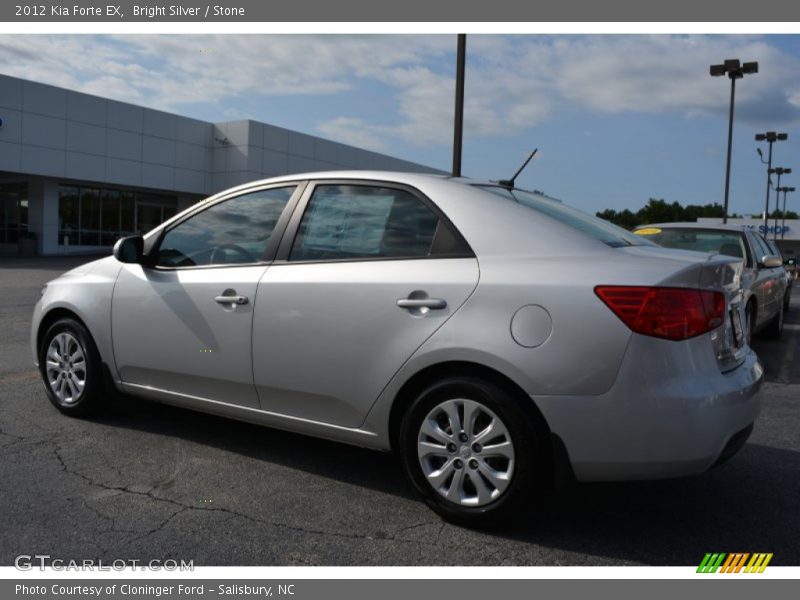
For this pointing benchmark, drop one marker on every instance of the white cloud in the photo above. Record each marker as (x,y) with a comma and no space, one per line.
(357,132)
(513,82)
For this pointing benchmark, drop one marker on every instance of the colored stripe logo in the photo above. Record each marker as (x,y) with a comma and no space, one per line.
(736,562)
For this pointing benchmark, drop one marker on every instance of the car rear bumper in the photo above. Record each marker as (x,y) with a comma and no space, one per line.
(670,413)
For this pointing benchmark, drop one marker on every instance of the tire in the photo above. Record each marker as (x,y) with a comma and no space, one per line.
(774,330)
(455,475)
(787,299)
(71,369)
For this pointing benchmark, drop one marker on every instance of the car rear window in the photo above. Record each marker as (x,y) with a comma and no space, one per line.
(711,241)
(601,230)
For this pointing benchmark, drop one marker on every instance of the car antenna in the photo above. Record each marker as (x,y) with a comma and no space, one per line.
(509,183)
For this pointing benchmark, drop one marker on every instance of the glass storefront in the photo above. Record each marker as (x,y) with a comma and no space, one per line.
(13,212)
(92,216)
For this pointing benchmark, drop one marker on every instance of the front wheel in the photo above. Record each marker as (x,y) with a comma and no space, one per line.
(70,367)
(471,451)
(750,322)
(774,330)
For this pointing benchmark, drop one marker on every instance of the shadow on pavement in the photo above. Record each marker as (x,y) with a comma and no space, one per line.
(749,504)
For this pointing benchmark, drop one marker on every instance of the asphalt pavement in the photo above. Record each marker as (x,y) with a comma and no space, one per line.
(147,481)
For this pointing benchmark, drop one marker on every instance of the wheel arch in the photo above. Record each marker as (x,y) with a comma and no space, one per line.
(436,372)
(53,315)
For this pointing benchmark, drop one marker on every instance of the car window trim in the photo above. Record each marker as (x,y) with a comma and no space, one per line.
(275,238)
(292,229)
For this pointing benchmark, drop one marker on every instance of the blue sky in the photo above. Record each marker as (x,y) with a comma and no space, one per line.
(617,118)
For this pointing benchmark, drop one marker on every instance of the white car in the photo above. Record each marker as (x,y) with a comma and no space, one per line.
(490,336)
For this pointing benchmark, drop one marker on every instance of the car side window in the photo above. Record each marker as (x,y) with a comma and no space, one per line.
(364,222)
(762,249)
(235,231)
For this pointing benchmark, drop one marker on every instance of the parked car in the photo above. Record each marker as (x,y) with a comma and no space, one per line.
(763,279)
(788,272)
(491,337)
(791,266)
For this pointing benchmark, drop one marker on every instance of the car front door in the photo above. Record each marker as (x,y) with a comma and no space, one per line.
(181,326)
(766,286)
(372,271)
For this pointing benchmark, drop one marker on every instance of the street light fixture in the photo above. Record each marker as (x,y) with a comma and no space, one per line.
(770,137)
(778,171)
(785,190)
(734,69)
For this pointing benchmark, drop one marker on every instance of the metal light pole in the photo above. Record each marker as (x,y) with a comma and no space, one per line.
(786,190)
(458,125)
(778,171)
(735,70)
(770,137)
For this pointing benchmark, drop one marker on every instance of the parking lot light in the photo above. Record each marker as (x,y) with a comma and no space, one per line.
(786,190)
(735,70)
(778,171)
(770,137)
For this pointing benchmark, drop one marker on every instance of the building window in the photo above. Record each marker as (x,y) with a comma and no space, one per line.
(109,213)
(127,214)
(13,212)
(90,216)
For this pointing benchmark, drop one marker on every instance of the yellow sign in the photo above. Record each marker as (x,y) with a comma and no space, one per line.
(647,231)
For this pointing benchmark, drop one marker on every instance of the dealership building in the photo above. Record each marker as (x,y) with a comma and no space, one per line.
(79,171)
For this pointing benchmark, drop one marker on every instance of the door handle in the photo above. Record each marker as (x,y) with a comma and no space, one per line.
(431,303)
(231,300)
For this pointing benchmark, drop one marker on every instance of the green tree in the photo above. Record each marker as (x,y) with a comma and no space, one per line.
(778,214)
(658,210)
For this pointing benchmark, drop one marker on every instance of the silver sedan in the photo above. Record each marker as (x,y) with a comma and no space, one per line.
(493,338)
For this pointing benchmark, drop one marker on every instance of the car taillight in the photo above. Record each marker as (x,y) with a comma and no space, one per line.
(665,312)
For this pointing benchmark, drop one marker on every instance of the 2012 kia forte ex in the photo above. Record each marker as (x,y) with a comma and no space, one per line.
(493,338)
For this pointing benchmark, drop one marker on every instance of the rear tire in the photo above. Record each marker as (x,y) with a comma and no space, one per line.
(70,366)
(472,452)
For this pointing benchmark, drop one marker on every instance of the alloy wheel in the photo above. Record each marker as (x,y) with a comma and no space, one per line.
(66,368)
(465,452)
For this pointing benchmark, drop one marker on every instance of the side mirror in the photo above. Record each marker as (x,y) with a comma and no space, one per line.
(770,262)
(130,249)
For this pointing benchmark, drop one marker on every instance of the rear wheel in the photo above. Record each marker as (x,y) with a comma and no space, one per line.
(70,367)
(471,451)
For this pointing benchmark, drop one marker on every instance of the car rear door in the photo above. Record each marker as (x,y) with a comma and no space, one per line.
(767,286)
(182,325)
(367,271)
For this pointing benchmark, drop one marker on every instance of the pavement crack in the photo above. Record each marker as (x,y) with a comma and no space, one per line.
(162,524)
(183,507)
(11,435)
(415,526)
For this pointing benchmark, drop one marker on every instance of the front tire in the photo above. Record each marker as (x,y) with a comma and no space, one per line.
(750,321)
(471,451)
(70,367)
(774,330)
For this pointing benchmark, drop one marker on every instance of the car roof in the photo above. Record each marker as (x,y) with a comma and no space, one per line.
(694,225)
(467,207)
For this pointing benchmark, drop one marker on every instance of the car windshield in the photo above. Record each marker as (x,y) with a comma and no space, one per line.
(711,241)
(601,230)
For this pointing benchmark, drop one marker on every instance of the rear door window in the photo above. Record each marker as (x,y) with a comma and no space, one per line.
(355,222)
